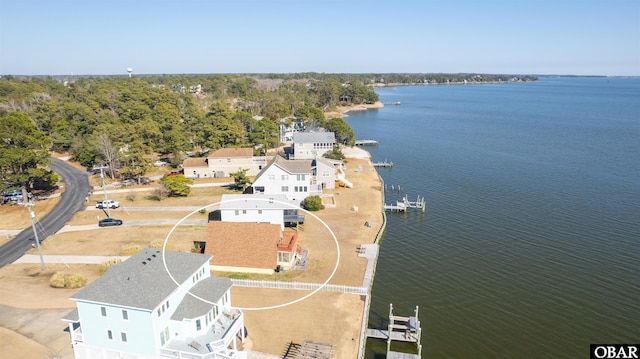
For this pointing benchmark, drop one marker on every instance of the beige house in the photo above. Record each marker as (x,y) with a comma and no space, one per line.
(223,162)
(195,168)
(253,247)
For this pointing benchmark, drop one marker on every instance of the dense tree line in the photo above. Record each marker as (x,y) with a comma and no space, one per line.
(125,122)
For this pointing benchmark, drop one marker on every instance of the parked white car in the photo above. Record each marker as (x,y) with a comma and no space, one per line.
(108,204)
(160,163)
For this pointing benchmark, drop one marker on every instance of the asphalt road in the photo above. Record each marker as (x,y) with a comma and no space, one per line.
(76,185)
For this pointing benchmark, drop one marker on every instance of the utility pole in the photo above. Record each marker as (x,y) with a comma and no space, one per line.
(102,167)
(35,233)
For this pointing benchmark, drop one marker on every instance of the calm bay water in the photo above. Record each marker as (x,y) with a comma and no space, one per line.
(530,244)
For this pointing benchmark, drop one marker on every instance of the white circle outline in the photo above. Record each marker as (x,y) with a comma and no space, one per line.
(335,268)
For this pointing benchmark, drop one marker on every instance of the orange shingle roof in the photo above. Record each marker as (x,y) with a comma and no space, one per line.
(240,244)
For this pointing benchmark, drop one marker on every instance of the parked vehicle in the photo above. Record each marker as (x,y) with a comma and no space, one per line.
(109,222)
(108,204)
(161,163)
(15,196)
(173,173)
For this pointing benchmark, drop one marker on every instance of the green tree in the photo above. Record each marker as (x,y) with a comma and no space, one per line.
(178,185)
(23,153)
(276,110)
(334,154)
(313,203)
(240,179)
(344,133)
(311,115)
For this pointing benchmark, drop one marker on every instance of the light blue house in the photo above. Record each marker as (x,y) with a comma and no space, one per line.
(136,310)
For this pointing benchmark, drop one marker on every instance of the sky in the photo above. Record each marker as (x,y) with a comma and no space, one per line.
(105,37)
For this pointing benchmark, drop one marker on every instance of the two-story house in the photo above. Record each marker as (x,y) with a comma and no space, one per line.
(223,162)
(309,145)
(292,178)
(156,304)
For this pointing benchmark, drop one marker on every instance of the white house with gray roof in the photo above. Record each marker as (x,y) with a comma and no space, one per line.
(258,208)
(309,145)
(291,178)
(156,305)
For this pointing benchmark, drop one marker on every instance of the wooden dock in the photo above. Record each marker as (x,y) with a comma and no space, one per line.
(366,143)
(402,206)
(383,164)
(404,329)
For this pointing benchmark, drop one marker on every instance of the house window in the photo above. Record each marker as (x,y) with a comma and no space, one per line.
(259,211)
(284,177)
(228,160)
(109,334)
(244,211)
(123,337)
(284,189)
(159,313)
(283,257)
(304,189)
(167,304)
(300,177)
(125,315)
(198,325)
(162,340)
(271,177)
(103,311)
(237,212)
(325,173)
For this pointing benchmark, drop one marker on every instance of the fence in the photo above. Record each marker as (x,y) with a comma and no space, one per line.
(299,286)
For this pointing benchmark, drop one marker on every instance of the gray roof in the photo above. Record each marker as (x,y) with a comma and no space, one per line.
(256,201)
(72,316)
(294,166)
(291,166)
(326,161)
(307,137)
(142,281)
(210,289)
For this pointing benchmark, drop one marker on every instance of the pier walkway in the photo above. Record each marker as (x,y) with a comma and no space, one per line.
(366,143)
(403,329)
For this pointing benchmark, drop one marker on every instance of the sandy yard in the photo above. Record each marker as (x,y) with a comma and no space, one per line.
(329,317)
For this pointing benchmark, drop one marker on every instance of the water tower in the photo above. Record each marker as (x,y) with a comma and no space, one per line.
(129,70)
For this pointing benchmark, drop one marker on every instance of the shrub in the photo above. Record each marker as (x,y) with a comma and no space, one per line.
(74,281)
(106,265)
(313,203)
(158,243)
(131,196)
(57,280)
(129,250)
(159,193)
(62,280)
